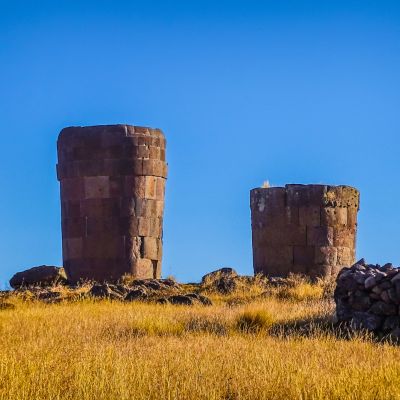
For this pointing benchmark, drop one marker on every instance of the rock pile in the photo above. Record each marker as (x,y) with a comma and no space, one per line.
(368,297)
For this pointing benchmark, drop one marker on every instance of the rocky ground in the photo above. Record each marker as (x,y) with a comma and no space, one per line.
(49,284)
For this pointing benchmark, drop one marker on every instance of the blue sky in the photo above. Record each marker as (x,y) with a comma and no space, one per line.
(245,91)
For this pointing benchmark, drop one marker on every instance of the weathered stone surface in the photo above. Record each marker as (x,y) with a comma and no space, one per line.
(306,229)
(43,275)
(104,291)
(112,180)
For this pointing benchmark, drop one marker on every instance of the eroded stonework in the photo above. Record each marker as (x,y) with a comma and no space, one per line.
(112,180)
(306,229)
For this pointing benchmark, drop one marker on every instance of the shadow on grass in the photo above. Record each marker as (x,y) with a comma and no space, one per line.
(317,328)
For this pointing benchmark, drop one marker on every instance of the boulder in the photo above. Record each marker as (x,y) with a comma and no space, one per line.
(103,291)
(136,294)
(219,273)
(44,275)
(202,299)
(225,285)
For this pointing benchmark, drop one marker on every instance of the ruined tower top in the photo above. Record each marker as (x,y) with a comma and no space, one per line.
(307,229)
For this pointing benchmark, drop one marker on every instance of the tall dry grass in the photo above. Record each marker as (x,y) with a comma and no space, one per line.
(106,350)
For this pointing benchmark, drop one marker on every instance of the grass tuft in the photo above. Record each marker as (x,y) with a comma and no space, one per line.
(254,321)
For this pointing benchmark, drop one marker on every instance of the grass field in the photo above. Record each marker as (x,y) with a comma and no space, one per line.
(278,346)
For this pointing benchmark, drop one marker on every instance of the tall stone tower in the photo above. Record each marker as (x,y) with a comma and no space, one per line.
(305,229)
(112,180)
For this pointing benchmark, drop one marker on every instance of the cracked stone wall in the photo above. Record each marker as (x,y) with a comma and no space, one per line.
(306,229)
(112,181)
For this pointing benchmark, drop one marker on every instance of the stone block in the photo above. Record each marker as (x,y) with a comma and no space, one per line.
(73,248)
(132,224)
(319,271)
(150,248)
(320,236)
(90,168)
(155,152)
(115,151)
(96,187)
(150,187)
(160,189)
(100,226)
(344,237)
(144,226)
(101,207)
(333,196)
(138,189)
(292,215)
(67,169)
(303,255)
(350,197)
(278,255)
(162,154)
(143,151)
(344,256)
(71,209)
(100,247)
(143,269)
(157,265)
(309,215)
(155,227)
(336,269)
(73,227)
(164,170)
(325,255)
(111,167)
(341,216)
(352,216)
(129,166)
(159,209)
(286,235)
(117,186)
(328,216)
(305,195)
(72,189)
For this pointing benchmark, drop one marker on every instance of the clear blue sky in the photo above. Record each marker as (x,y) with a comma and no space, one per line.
(245,91)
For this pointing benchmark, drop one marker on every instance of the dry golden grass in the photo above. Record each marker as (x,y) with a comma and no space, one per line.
(102,350)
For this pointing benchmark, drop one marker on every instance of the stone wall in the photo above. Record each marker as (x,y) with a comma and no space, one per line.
(306,229)
(112,182)
(368,297)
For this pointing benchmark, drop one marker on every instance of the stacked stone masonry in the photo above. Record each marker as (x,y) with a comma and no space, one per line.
(368,298)
(304,229)
(112,180)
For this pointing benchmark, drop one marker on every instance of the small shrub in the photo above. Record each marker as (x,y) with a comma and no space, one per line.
(254,321)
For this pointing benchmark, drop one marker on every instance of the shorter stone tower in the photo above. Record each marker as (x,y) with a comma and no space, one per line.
(305,229)
(112,180)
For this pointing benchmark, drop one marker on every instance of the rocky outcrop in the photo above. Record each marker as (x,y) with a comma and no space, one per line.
(44,275)
(162,291)
(368,298)
(219,273)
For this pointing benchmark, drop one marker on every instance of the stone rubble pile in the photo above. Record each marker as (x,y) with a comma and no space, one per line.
(368,298)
